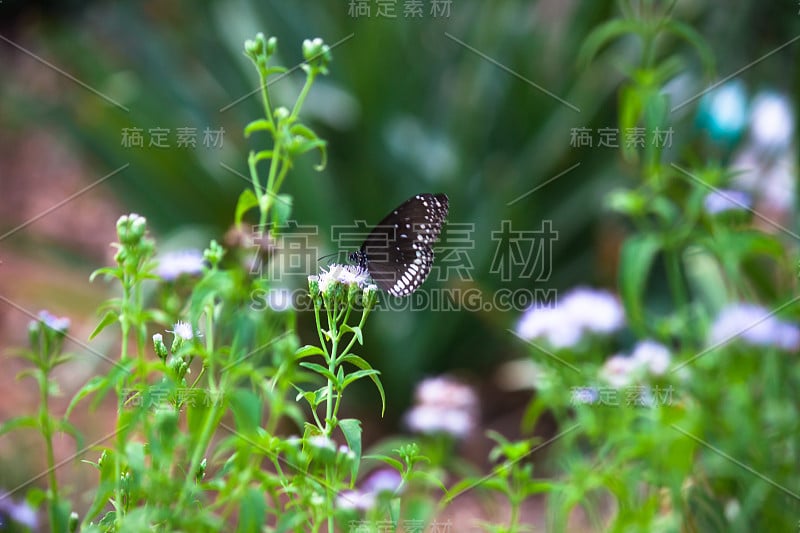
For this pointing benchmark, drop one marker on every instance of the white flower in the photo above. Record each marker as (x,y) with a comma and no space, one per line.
(322,442)
(722,200)
(580,311)
(619,370)
(172,265)
(754,325)
(183,330)
(648,358)
(444,405)
(594,310)
(772,121)
(444,390)
(652,356)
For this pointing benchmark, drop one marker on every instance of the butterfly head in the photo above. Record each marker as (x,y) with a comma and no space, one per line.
(359,258)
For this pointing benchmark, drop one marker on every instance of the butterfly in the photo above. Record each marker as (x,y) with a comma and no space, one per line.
(397,253)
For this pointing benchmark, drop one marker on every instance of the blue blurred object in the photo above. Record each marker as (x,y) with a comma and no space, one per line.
(723,112)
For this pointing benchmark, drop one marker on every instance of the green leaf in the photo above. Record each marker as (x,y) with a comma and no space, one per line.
(636,261)
(282,208)
(109,318)
(691,36)
(107,272)
(246,407)
(319,369)
(355,376)
(602,35)
(391,461)
(247,201)
(313,142)
(307,351)
(93,385)
(261,124)
(351,428)
(363,365)
(291,520)
(253,511)
(355,330)
(66,427)
(18,423)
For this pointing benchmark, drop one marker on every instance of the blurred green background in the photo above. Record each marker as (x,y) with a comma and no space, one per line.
(454,102)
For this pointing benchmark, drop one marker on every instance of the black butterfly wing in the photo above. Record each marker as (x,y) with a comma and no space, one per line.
(398,251)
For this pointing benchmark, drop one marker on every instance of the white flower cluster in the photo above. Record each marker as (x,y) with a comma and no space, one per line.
(443,405)
(648,358)
(582,310)
(345,274)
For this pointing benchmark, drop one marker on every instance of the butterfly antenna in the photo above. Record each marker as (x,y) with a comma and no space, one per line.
(327,256)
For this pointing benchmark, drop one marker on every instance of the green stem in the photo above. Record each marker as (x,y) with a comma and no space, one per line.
(209,424)
(674,277)
(270,191)
(302,96)
(127,284)
(47,433)
(252,164)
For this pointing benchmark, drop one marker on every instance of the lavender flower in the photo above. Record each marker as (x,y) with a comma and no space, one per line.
(13,513)
(754,325)
(723,200)
(582,310)
(172,265)
(364,498)
(59,324)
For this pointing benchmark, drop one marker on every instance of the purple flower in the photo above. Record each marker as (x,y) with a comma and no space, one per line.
(582,310)
(364,498)
(60,324)
(722,200)
(20,514)
(754,325)
(172,265)
(383,480)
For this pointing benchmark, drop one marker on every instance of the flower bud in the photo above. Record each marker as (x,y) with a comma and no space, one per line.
(159,346)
